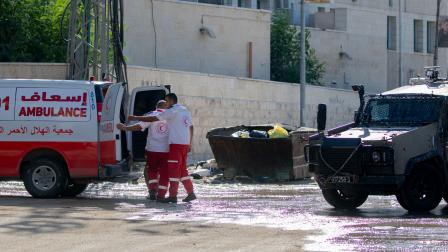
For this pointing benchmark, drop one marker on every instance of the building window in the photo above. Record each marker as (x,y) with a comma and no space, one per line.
(418,35)
(391,33)
(278,4)
(243,4)
(431,36)
(218,2)
(391,3)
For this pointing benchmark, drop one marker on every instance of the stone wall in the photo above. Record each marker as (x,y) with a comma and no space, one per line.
(217,101)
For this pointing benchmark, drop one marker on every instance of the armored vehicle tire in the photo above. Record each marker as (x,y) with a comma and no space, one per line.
(445,197)
(44,178)
(401,201)
(73,189)
(422,190)
(344,200)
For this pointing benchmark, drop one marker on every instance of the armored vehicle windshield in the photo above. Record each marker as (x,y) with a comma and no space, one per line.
(387,111)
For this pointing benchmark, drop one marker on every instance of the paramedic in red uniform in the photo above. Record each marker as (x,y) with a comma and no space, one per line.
(180,138)
(156,173)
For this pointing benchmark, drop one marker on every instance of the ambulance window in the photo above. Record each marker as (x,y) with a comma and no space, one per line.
(99,93)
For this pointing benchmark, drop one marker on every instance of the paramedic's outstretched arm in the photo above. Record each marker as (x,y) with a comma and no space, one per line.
(143,118)
(135,127)
(191,137)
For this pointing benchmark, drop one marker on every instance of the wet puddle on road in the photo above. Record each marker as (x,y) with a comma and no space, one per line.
(380,224)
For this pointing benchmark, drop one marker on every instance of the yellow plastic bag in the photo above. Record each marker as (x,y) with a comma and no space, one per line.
(278,132)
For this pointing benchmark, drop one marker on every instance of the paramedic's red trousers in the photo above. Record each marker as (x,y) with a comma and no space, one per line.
(156,170)
(177,168)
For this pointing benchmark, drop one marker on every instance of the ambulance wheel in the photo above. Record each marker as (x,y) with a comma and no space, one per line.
(344,200)
(73,189)
(45,178)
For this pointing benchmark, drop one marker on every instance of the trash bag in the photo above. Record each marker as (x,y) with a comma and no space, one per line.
(258,134)
(278,132)
(241,134)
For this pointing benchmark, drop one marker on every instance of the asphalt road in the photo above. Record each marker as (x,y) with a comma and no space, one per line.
(227,217)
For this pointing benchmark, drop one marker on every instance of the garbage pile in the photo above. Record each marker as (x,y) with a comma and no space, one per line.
(205,169)
(277,132)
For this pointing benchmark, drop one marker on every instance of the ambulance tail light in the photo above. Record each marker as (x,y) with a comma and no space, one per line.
(99,106)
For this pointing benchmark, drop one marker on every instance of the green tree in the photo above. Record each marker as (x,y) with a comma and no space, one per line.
(285,53)
(30,31)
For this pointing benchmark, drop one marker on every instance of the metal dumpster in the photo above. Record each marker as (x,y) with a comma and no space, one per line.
(253,157)
(299,139)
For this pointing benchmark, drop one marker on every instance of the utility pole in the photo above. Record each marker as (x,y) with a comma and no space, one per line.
(436,47)
(100,22)
(302,63)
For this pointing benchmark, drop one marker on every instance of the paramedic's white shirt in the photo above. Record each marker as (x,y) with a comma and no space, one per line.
(157,134)
(179,121)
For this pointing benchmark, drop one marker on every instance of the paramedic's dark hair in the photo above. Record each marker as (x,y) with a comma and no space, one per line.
(160,103)
(172,96)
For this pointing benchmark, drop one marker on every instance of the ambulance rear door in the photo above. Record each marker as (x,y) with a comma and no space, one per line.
(142,101)
(110,149)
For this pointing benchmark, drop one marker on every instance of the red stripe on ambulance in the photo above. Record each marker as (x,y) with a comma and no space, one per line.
(81,157)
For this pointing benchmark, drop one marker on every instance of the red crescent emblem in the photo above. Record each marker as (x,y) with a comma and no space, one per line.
(162,128)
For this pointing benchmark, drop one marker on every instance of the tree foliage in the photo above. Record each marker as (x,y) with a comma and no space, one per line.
(30,31)
(285,53)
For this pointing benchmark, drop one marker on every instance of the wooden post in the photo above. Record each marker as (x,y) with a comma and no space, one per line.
(249,62)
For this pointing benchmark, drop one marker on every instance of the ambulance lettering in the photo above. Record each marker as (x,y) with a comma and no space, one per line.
(50,112)
(52,105)
(4,102)
(22,131)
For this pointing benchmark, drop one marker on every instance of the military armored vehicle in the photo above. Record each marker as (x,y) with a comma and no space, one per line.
(397,145)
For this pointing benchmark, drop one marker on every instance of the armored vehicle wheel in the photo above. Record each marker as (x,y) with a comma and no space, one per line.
(422,190)
(401,201)
(73,189)
(344,200)
(445,197)
(45,178)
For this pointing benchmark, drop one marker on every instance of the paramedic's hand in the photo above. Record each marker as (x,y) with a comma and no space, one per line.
(132,118)
(121,126)
(189,148)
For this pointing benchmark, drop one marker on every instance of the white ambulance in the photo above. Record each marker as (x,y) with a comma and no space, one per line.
(58,136)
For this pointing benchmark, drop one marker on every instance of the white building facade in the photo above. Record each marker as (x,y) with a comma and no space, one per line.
(366,41)
(194,37)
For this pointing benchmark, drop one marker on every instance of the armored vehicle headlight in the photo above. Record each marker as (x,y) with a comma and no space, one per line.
(376,156)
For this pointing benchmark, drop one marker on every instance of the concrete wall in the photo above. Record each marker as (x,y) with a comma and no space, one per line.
(217,101)
(177,43)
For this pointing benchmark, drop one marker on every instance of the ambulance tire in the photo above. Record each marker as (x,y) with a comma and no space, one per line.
(45,178)
(74,189)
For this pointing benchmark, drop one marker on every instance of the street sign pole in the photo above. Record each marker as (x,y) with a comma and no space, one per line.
(302,63)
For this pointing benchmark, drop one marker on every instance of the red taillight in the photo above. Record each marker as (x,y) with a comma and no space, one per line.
(100,110)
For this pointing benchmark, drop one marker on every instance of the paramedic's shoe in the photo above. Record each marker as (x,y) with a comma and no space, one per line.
(168,200)
(190,197)
(152,195)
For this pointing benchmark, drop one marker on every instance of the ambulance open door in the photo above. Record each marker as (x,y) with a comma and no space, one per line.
(109,136)
(142,101)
